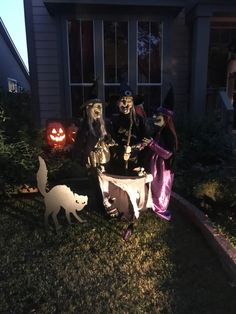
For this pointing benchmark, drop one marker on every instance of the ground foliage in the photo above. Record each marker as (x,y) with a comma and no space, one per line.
(88,268)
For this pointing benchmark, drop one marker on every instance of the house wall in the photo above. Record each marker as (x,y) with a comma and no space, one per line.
(180,64)
(46,48)
(44,61)
(10,68)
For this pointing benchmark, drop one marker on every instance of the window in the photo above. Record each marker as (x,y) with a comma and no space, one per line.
(149,59)
(115,56)
(12,85)
(221,35)
(81,61)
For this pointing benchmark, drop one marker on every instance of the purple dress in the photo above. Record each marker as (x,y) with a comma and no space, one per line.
(162,179)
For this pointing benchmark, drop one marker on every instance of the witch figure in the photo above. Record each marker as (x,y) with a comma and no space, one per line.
(162,149)
(91,147)
(126,187)
(128,130)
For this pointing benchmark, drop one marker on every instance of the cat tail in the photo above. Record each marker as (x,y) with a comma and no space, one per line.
(42,176)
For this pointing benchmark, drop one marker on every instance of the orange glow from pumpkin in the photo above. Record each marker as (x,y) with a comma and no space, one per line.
(56,136)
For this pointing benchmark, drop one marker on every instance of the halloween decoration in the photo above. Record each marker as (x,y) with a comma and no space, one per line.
(128,129)
(71,133)
(139,106)
(25,189)
(92,143)
(137,191)
(56,136)
(59,196)
(163,148)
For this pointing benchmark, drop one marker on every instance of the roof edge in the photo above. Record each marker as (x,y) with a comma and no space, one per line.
(13,49)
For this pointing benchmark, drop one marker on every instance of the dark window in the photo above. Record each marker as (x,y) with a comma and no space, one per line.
(149,52)
(115,51)
(149,40)
(221,35)
(81,61)
(81,51)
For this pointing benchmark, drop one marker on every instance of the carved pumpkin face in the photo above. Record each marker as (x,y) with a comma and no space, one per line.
(56,136)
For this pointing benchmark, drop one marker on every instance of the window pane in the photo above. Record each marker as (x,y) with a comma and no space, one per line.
(81,51)
(149,52)
(12,86)
(75,51)
(143,52)
(79,94)
(218,56)
(115,51)
(122,51)
(152,98)
(111,97)
(155,53)
(109,52)
(87,51)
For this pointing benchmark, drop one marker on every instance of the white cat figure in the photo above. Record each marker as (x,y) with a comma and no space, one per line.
(59,196)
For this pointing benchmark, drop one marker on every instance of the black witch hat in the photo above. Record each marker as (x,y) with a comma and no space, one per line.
(92,96)
(93,92)
(125,90)
(168,103)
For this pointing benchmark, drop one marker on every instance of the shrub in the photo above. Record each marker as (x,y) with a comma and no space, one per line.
(203,142)
(18,149)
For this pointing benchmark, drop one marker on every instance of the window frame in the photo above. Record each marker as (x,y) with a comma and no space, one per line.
(9,79)
(83,84)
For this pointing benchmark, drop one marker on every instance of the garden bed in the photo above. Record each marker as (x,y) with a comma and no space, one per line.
(212,190)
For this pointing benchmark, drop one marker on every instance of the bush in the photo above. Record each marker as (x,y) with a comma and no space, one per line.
(203,142)
(18,149)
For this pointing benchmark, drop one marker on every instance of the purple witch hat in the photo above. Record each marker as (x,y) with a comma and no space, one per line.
(168,104)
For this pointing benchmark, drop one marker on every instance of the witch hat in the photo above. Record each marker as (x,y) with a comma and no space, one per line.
(168,103)
(125,90)
(93,93)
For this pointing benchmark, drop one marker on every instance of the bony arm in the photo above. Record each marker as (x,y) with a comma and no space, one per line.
(127,153)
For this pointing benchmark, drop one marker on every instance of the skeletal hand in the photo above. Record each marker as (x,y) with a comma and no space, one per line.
(127,153)
(147,141)
(127,149)
(126,156)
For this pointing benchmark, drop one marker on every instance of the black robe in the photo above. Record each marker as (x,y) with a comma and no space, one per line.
(120,131)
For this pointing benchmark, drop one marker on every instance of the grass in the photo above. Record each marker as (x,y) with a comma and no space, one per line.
(88,268)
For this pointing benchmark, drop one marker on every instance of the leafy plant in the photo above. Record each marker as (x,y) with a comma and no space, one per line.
(203,142)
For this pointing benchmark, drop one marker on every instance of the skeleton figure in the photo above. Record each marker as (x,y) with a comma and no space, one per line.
(162,148)
(127,130)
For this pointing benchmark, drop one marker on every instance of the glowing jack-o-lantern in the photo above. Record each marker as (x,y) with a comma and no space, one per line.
(71,133)
(56,136)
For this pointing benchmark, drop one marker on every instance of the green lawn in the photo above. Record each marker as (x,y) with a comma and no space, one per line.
(88,268)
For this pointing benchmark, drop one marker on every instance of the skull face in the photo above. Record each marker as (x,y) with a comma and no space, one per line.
(159,120)
(94,110)
(126,104)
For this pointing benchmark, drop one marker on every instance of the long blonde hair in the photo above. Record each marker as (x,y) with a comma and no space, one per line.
(102,128)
